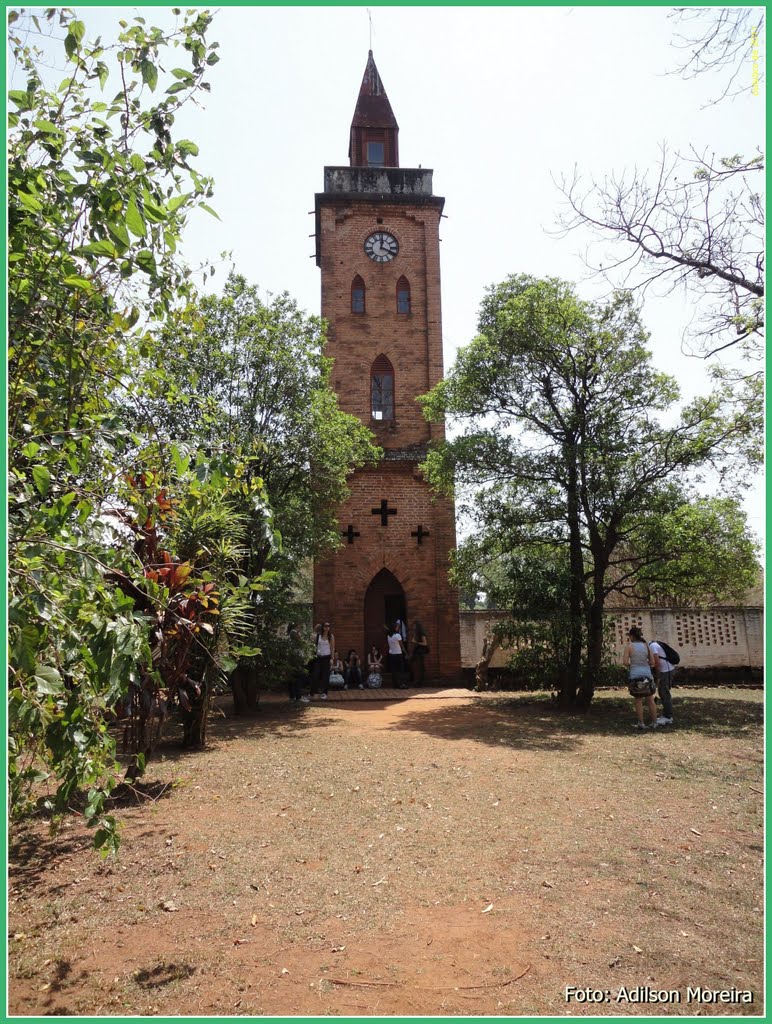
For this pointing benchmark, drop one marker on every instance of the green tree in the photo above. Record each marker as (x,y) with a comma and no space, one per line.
(564,448)
(99,192)
(237,372)
(530,585)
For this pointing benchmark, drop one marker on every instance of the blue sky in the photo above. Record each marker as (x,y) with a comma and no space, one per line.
(499,101)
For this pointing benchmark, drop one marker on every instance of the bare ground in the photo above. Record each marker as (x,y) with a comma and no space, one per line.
(450,855)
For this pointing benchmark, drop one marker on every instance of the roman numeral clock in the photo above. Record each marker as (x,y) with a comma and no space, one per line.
(377,245)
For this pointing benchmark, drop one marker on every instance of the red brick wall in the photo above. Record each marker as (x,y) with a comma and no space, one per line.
(413,344)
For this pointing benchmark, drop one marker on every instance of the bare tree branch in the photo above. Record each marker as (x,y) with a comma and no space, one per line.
(696,222)
(721,39)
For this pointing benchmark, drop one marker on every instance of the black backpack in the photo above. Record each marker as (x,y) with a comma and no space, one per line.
(672,655)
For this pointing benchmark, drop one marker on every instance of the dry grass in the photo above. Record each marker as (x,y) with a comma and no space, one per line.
(460,856)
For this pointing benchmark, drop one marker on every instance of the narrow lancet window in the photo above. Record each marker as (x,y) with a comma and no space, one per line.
(357,295)
(382,389)
(403,295)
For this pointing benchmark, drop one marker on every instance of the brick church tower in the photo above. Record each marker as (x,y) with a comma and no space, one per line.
(377,244)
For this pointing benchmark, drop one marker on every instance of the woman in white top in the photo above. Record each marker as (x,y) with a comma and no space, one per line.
(396,657)
(325,645)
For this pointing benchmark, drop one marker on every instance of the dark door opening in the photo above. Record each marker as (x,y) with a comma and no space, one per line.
(384,602)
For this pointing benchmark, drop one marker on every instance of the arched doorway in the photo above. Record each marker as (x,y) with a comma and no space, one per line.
(384,602)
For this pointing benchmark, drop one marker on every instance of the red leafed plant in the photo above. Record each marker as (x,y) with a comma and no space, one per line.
(195,603)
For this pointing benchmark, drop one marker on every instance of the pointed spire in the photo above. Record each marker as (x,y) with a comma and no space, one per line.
(373,123)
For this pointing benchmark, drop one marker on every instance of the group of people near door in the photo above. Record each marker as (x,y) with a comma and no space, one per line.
(329,670)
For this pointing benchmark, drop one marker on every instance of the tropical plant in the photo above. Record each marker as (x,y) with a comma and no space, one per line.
(244,373)
(99,193)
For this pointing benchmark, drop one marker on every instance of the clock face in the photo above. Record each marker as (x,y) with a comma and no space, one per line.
(381,246)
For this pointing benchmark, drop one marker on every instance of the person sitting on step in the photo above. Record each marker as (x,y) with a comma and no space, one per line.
(374,667)
(337,679)
(354,677)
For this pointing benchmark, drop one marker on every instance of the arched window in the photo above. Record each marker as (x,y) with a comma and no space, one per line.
(357,295)
(403,295)
(382,389)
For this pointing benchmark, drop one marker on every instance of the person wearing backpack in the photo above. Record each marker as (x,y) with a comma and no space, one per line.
(665,661)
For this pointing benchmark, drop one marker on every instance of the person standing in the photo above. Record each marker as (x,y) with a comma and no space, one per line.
(420,650)
(663,674)
(640,661)
(325,645)
(396,657)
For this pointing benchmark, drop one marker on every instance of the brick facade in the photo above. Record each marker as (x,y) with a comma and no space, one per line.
(358,201)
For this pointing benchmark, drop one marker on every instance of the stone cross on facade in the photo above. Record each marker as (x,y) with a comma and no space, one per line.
(384,512)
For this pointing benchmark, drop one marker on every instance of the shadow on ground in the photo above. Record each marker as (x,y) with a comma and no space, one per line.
(525,722)
(522,720)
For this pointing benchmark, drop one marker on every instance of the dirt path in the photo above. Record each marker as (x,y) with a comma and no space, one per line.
(448,856)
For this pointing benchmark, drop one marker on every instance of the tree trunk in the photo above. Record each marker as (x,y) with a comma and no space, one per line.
(490,646)
(195,721)
(244,685)
(594,652)
(570,676)
(594,627)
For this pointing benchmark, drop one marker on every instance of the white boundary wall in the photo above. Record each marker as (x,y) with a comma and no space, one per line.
(705,638)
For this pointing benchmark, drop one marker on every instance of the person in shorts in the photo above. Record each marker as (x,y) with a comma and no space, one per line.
(639,661)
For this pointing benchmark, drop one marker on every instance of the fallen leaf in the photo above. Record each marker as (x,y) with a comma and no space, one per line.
(637,949)
(696,832)
(241,942)
(253,922)
(284,970)
(548,885)
(168,906)
(488,909)
(337,949)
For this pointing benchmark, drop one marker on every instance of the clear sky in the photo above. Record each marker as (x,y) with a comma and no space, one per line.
(497,100)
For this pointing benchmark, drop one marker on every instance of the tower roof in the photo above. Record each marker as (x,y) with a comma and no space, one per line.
(373,109)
